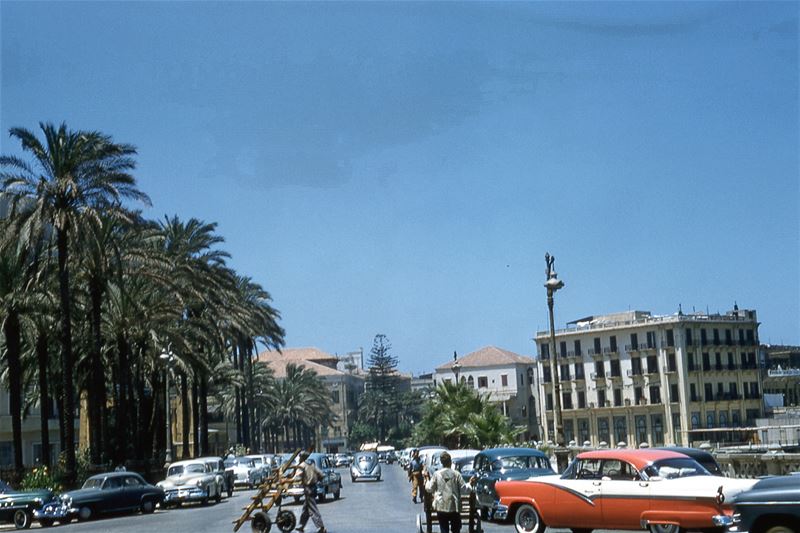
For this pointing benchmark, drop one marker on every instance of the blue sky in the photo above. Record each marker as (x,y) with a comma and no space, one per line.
(402,168)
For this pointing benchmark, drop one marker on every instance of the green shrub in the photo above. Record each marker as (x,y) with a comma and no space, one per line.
(40,478)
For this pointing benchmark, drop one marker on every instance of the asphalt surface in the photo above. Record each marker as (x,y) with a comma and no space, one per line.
(364,507)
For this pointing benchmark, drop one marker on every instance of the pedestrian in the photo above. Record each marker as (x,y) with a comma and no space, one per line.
(415,475)
(309,475)
(447,485)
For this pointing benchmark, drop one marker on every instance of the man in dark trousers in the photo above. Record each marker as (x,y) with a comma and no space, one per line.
(415,475)
(447,486)
(308,474)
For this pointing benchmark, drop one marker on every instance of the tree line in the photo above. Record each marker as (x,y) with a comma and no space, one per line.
(92,293)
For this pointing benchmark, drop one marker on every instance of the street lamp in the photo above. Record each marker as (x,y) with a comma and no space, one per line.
(552,285)
(456,366)
(168,359)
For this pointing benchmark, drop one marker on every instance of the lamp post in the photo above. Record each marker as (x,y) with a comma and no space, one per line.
(456,366)
(168,359)
(552,285)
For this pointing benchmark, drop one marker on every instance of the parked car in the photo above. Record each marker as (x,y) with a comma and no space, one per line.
(772,505)
(660,490)
(365,466)
(331,482)
(701,456)
(102,493)
(503,464)
(426,454)
(245,470)
(190,481)
(17,507)
(464,465)
(225,476)
(455,455)
(341,459)
(263,463)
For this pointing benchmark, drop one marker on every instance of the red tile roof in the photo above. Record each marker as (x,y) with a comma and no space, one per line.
(489,356)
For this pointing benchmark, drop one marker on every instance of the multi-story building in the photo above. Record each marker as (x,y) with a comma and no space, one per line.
(507,377)
(635,377)
(782,373)
(345,389)
(31,433)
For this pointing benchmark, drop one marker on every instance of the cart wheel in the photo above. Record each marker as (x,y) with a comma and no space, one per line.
(261,523)
(420,524)
(285,521)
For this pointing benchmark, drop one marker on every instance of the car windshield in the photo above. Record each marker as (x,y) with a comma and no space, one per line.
(676,468)
(175,470)
(195,469)
(93,483)
(517,462)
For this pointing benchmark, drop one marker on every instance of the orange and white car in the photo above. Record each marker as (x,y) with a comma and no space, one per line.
(660,490)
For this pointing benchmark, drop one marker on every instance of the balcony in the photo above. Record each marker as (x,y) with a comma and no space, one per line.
(597,377)
(594,353)
(634,373)
(652,371)
(668,370)
(610,351)
(631,347)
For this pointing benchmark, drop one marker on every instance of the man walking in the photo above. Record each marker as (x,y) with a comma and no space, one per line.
(308,474)
(415,475)
(447,486)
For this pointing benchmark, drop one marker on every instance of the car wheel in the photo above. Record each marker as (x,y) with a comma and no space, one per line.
(218,497)
(778,528)
(22,519)
(665,528)
(148,507)
(46,522)
(285,521)
(260,523)
(338,493)
(484,513)
(353,479)
(321,497)
(230,490)
(84,513)
(204,501)
(527,520)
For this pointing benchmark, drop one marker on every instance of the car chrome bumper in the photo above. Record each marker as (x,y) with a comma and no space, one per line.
(731,523)
(185,495)
(54,511)
(499,511)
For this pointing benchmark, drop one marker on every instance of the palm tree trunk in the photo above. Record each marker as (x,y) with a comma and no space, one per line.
(11,331)
(67,384)
(203,405)
(243,368)
(185,416)
(122,422)
(44,397)
(196,415)
(97,388)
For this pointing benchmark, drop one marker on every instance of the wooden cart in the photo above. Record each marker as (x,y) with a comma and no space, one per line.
(270,494)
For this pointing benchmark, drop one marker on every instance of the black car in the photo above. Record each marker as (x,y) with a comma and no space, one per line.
(103,493)
(701,456)
(496,464)
(771,506)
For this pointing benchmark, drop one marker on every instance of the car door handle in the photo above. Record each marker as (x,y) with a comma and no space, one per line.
(644,484)
(597,483)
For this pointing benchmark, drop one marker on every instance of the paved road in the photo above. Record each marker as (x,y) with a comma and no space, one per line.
(365,507)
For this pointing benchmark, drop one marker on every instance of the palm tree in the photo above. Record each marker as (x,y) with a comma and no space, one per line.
(74,175)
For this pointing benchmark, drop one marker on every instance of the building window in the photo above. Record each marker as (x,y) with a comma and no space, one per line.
(617,397)
(655,395)
(544,351)
(691,361)
(483,382)
(641,429)
(471,382)
(657,423)
(703,337)
(504,380)
(676,428)
(672,364)
(651,339)
(602,430)
(638,396)
(564,369)
(613,342)
(569,432)
(37,453)
(674,397)
(620,429)
(670,338)
(566,399)
(335,396)
(601,398)
(581,400)
(579,371)
(718,361)
(583,430)
(736,419)
(599,369)
(723,419)
(636,366)
(548,402)
(710,420)
(578,348)
(547,375)
(696,420)
(597,349)
(6,454)
(563,348)
(709,393)
(688,333)
(706,362)
(652,364)
(615,369)
(634,341)
(733,391)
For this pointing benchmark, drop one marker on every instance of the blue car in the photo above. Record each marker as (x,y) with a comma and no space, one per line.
(496,464)
(771,506)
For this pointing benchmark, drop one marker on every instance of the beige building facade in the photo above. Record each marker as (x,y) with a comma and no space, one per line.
(634,377)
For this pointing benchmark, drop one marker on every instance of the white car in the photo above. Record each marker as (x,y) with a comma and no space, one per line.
(190,481)
(245,472)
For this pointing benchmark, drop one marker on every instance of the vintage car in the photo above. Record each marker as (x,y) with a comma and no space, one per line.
(341,459)
(464,465)
(771,506)
(331,482)
(17,507)
(365,466)
(701,456)
(246,472)
(498,464)
(190,481)
(102,493)
(225,476)
(660,490)
(264,463)
(455,455)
